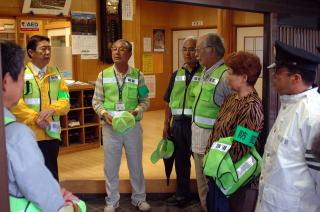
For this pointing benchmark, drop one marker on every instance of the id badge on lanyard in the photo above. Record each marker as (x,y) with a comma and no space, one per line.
(120,106)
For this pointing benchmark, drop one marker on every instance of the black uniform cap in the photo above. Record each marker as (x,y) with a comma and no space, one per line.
(293,57)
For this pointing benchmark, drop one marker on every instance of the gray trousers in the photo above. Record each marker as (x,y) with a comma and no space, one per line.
(113,144)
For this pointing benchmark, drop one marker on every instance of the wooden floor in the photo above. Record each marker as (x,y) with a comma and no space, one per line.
(88,164)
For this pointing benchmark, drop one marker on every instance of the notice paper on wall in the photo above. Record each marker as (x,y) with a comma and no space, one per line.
(147,44)
(131,60)
(127,10)
(147,63)
(151,84)
(84,44)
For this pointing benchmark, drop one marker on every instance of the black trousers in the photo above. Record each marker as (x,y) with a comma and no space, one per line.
(181,133)
(243,200)
(50,151)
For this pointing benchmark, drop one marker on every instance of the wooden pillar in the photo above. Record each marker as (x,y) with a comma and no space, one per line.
(270,98)
(225,29)
(4,197)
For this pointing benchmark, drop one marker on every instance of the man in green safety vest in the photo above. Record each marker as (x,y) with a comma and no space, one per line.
(209,95)
(178,111)
(45,98)
(122,88)
(32,187)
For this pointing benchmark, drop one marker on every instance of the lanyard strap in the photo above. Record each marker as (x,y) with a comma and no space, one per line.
(120,87)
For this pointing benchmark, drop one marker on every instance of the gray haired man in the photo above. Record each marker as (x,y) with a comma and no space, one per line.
(180,98)
(209,95)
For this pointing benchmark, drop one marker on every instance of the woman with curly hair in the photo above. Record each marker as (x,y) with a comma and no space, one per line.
(243,107)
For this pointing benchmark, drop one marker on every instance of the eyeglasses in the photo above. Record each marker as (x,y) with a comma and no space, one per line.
(198,49)
(190,49)
(121,49)
(44,48)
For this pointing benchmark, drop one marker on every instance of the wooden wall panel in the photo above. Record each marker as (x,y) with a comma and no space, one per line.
(182,16)
(154,15)
(304,38)
(241,18)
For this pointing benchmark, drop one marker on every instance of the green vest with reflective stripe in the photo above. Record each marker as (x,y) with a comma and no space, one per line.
(23,205)
(32,97)
(130,91)
(182,96)
(230,176)
(205,110)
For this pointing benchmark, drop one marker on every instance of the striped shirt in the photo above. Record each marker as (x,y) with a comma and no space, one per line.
(98,97)
(245,111)
(200,135)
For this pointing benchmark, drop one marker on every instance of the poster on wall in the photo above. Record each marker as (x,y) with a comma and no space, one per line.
(84,34)
(48,7)
(83,23)
(151,84)
(158,40)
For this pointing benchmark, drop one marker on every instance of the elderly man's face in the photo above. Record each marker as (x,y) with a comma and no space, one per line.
(189,52)
(120,52)
(205,54)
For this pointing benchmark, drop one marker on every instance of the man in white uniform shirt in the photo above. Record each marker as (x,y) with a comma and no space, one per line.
(290,174)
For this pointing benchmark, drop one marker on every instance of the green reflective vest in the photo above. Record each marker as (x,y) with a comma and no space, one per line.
(130,91)
(229,176)
(182,96)
(32,97)
(23,205)
(205,110)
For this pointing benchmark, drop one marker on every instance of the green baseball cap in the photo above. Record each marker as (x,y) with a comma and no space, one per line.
(164,149)
(122,122)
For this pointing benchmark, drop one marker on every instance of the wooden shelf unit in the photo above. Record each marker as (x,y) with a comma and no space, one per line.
(88,134)
(9,35)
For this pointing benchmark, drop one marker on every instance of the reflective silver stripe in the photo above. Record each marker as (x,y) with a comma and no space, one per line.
(221,146)
(180,78)
(131,80)
(225,191)
(109,80)
(213,80)
(313,163)
(112,112)
(179,111)
(204,120)
(32,101)
(196,78)
(55,77)
(28,76)
(55,126)
(243,168)
(188,111)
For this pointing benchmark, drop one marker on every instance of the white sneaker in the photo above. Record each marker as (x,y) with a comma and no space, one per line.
(109,208)
(143,206)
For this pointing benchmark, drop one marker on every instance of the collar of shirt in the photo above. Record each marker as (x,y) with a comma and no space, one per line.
(36,69)
(120,75)
(209,71)
(7,113)
(297,97)
(193,70)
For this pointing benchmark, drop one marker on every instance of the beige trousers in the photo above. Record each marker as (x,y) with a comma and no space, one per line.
(202,182)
